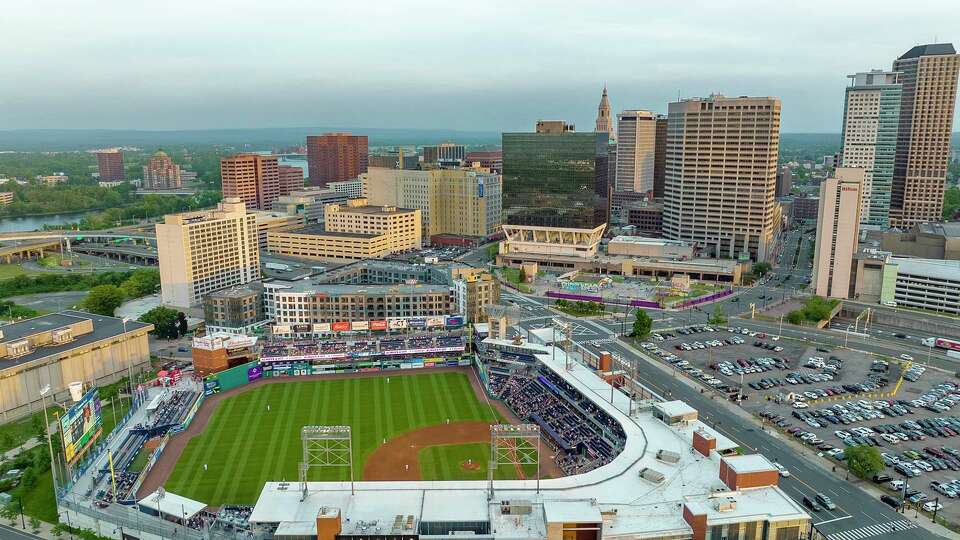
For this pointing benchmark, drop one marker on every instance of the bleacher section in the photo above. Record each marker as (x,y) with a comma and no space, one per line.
(582,436)
(286,350)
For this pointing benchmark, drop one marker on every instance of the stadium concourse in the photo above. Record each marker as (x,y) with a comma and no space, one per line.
(673,477)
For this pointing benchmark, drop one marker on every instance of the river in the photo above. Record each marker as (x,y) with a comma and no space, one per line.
(33,223)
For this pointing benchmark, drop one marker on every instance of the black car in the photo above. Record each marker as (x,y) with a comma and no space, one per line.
(812,505)
(887,499)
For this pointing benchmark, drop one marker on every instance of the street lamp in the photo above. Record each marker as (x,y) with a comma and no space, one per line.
(46,422)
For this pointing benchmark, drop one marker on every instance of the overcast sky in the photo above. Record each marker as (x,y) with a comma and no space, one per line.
(481,64)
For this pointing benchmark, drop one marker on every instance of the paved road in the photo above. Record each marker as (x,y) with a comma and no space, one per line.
(52,302)
(9,533)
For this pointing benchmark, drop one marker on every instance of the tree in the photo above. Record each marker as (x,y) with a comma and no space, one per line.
(761,268)
(641,324)
(164,321)
(522,276)
(140,283)
(181,324)
(10,511)
(37,426)
(103,299)
(864,461)
(795,317)
(718,317)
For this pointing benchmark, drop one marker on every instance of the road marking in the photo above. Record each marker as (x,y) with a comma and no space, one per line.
(832,520)
(878,529)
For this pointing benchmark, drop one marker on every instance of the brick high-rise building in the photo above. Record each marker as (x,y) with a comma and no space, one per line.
(291,179)
(721,174)
(928,76)
(110,165)
(161,172)
(334,157)
(252,178)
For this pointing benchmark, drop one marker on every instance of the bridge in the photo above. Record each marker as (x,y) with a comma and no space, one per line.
(134,244)
(143,255)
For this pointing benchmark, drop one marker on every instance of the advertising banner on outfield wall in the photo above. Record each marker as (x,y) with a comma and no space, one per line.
(359,326)
(378,325)
(254,373)
(397,324)
(321,328)
(340,326)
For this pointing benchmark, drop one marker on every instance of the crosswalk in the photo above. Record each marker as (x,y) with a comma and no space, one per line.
(878,529)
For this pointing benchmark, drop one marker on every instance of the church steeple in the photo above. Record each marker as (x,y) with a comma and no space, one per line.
(604,121)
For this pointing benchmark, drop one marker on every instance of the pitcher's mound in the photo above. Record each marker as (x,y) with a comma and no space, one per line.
(469,465)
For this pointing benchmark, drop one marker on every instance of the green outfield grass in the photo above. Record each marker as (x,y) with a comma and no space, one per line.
(443,462)
(244,445)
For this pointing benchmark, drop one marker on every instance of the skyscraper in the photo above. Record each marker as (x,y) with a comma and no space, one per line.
(252,178)
(721,172)
(161,172)
(660,156)
(604,120)
(110,165)
(334,157)
(291,179)
(636,151)
(444,154)
(838,224)
(550,177)
(927,101)
(871,114)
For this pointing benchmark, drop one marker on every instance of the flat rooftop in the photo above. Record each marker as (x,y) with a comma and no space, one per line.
(375,210)
(337,289)
(318,230)
(103,328)
(749,463)
(930,268)
(647,241)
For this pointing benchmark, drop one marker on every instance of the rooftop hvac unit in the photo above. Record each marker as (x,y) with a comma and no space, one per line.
(76,390)
(668,457)
(652,475)
(726,504)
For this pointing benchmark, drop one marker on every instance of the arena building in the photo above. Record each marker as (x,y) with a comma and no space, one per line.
(61,348)
(658,473)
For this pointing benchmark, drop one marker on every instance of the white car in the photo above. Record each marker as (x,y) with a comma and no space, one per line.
(783,470)
(800,405)
(906,356)
(930,506)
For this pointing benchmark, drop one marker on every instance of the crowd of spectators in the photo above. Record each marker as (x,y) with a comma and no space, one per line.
(582,436)
(299,348)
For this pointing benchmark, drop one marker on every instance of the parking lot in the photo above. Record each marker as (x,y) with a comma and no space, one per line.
(831,399)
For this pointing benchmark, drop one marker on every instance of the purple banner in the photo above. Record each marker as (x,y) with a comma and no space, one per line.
(254,373)
(703,299)
(649,304)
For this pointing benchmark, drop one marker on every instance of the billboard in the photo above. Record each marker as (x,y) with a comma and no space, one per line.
(81,425)
(280,329)
(454,321)
(342,326)
(254,373)
(359,325)
(417,322)
(321,328)
(397,324)
(378,325)
(433,322)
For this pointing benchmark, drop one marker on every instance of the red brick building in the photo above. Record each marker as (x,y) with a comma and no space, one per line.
(110,165)
(334,157)
(492,159)
(252,178)
(291,179)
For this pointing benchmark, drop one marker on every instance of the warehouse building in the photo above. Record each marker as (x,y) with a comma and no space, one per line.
(61,348)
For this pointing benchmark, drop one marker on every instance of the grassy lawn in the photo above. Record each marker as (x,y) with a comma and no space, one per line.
(579,309)
(512,275)
(444,462)
(245,445)
(16,433)
(53,261)
(8,271)
(140,461)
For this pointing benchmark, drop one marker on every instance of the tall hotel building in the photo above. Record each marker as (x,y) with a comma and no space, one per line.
(334,157)
(202,252)
(636,151)
(928,74)
(720,174)
(838,226)
(871,116)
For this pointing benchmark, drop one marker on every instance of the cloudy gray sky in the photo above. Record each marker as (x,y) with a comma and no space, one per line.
(482,64)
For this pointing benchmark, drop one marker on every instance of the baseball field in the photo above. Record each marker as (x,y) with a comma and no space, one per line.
(405,426)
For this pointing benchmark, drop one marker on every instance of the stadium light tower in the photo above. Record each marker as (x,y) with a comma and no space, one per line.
(325,446)
(46,426)
(516,445)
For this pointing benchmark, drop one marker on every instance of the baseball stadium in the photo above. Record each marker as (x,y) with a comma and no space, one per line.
(485,431)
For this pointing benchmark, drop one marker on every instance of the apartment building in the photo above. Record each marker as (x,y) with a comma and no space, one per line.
(238,310)
(252,178)
(110,165)
(202,252)
(352,231)
(462,202)
(871,116)
(161,172)
(636,151)
(720,174)
(928,74)
(838,227)
(291,179)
